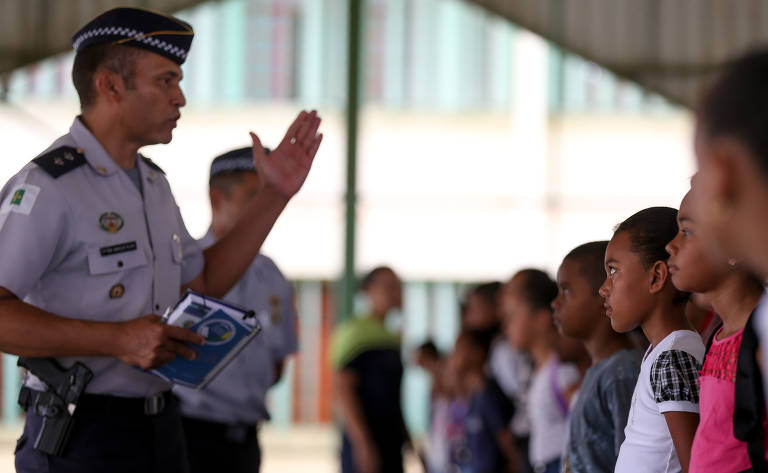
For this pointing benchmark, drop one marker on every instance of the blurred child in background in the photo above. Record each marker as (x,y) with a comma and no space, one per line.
(365,356)
(526,302)
(490,447)
(639,292)
(599,414)
(507,366)
(437,456)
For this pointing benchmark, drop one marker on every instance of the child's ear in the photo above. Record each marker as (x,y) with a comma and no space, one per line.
(659,273)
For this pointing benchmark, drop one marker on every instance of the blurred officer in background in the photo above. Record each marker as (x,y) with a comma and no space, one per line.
(221,421)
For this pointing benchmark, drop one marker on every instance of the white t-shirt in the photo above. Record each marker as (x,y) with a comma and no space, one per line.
(668,382)
(512,368)
(548,410)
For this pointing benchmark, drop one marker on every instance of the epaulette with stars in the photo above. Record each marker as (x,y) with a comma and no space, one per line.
(152,164)
(60,161)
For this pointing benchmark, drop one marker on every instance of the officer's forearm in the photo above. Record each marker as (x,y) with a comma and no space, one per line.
(28,331)
(227,260)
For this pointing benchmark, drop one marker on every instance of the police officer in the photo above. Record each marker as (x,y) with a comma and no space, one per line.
(93,247)
(221,420)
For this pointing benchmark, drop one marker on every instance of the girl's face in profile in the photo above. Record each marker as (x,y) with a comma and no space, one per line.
(694,266)
(625,292)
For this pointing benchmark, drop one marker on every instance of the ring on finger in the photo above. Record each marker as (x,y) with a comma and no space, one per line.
(292,140)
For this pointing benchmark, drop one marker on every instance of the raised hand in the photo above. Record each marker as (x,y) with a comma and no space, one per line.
(285,169)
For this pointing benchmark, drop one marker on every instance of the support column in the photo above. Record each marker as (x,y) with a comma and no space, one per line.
(354,68)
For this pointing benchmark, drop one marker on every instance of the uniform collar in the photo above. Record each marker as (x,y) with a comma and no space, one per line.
(95,154)
(146,171)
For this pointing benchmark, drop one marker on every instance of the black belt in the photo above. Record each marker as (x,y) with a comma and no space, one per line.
(235,433)
(125,406)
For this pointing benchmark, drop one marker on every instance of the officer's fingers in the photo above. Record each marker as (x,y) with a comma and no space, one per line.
(309,138)
(258,149)
(161,357)
(314,145)
(308,128)
(294,128)
(178,348)
(184,335)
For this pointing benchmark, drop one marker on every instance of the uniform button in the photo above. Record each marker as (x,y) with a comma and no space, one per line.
(157,306)
(119,264)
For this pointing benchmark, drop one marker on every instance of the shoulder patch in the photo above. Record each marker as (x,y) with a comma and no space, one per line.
(60,161)
(152,164)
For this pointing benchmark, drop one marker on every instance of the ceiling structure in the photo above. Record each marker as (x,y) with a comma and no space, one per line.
(31,30)
(668,46)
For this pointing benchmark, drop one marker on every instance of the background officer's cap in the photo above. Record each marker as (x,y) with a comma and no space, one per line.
(161,34)
(236,160)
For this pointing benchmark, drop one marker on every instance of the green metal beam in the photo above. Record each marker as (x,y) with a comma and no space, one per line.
(354,68)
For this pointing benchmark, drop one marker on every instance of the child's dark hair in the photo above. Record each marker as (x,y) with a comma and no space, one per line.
(649,232)
(591,258)
(370,277)
(488,292)
(737,105)
(479,339)
(429,348)
(538,288)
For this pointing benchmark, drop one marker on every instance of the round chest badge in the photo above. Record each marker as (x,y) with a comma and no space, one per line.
(111,222)
(216,332)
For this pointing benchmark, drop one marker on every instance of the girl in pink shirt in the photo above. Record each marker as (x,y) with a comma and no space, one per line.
(733,294)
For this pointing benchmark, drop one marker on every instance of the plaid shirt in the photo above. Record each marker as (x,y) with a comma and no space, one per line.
(674,377)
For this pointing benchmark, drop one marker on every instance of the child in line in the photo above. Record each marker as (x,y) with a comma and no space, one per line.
(506,366)
(732,193)
(526,304)
(429,358)
(733,294)
(639,292)
(489,443)
(600,411)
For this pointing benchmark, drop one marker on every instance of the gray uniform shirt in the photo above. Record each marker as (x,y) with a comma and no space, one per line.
(599,415)
(238,393)
(86,245)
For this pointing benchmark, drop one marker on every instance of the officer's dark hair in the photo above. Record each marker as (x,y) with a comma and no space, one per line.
(488,292)
(649,232)
(370,277)
(538,289)
(225,181)
(117,58)
(591,259)
(736,105)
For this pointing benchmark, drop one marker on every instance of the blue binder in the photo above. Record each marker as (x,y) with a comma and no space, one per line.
(226,332)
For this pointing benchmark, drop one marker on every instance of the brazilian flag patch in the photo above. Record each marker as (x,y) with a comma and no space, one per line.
(21,199)
(18,196)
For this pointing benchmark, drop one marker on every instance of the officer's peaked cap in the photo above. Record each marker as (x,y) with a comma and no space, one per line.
(156,32)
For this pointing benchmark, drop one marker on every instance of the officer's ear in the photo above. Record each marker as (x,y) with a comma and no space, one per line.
(218,197)
(109,85)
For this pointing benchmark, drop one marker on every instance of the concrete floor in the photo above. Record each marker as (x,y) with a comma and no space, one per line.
(296,449)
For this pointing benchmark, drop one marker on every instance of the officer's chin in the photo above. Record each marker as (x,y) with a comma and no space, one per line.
(165,139)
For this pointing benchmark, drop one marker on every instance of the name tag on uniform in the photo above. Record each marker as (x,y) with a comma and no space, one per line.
(117,249)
